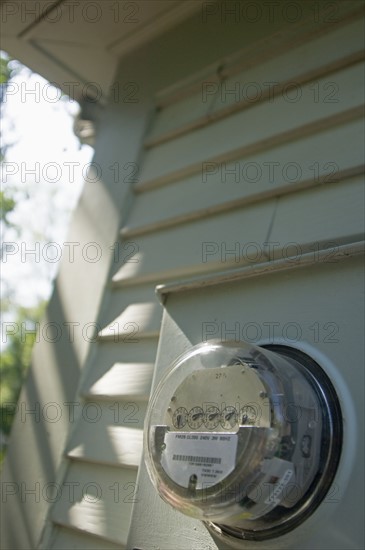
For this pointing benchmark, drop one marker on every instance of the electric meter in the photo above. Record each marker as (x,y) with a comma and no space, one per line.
(244,438)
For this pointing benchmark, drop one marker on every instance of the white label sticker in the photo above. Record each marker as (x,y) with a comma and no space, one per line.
(275,496)
(199,459)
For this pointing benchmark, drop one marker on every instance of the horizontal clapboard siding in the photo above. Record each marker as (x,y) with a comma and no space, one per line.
(212,243)
(105,448)
(330,253)
(127,413)
(126,379)
(109,444)
(223,185)
(254,129)
(224,92)
(267,47)
(98,500)
(319,158)
(186,244)
(327,214)
(65,538)
(121,370)
(119,300)
(135,322)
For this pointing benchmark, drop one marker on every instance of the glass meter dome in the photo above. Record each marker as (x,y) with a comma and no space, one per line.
(244,438)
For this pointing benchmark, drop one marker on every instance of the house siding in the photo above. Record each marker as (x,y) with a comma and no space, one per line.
(194,186)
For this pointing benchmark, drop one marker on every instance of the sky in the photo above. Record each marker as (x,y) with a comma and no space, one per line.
(44,167)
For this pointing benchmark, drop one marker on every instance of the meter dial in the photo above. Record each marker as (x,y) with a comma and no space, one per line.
(249,415)
(229,418)
(212,417)
(180,418)
(195,418)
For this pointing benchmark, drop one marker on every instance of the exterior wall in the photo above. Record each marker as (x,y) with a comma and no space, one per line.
(35,459)
(176,204)
(230,233)
(242,309)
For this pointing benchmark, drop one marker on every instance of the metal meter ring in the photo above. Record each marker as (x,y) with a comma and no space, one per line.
(244,438)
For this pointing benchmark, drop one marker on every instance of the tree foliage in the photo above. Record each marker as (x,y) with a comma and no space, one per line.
(5,70)
(7,205)
(15,356)
(15,360)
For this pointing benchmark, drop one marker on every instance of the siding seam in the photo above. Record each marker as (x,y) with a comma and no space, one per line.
(266,143)
(236,204)
(211,117)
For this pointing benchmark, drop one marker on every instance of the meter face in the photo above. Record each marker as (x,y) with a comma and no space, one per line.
(231,396)
(242,437)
